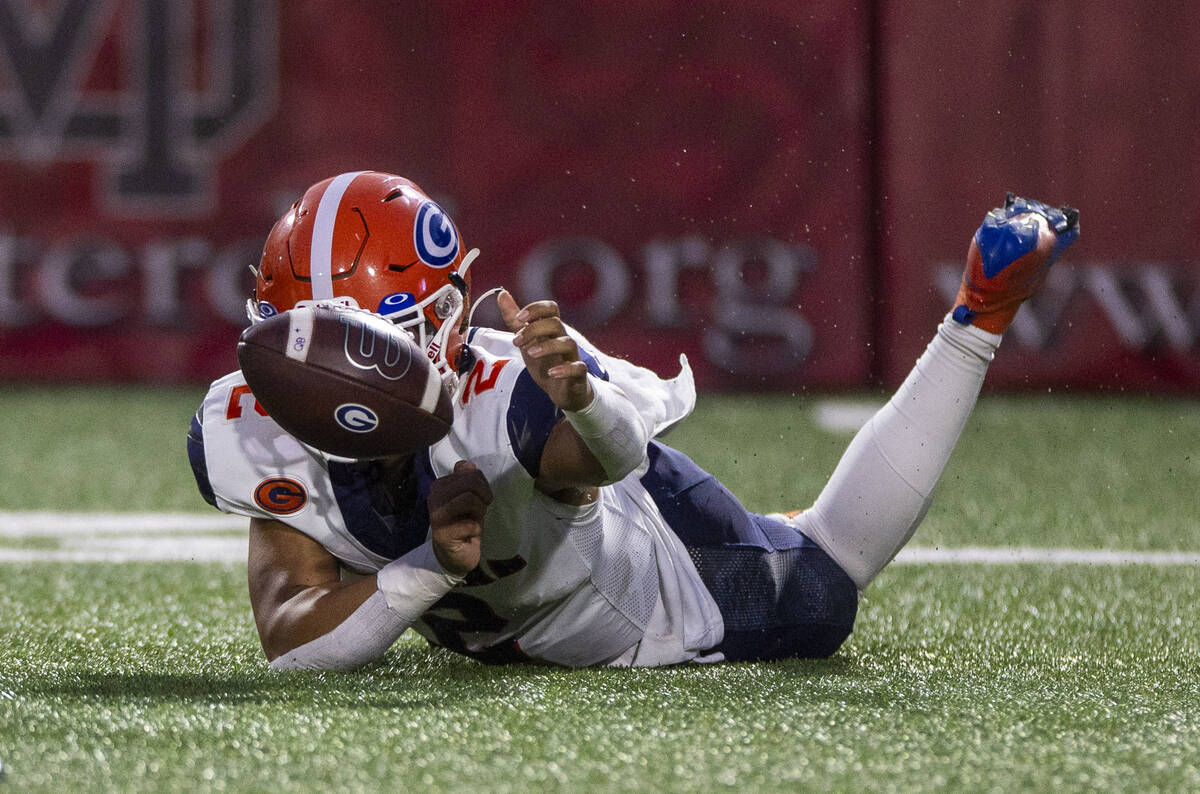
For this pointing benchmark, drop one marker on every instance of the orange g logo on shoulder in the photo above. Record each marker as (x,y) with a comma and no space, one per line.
(281,495)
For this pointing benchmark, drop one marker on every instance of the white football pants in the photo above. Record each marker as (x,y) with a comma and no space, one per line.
(884,483)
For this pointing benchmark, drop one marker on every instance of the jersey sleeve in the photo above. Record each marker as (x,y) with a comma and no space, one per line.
(198,460)
(662,402)
(243,462)
(532,415)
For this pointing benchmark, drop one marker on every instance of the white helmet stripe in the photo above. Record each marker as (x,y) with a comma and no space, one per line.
(321,252)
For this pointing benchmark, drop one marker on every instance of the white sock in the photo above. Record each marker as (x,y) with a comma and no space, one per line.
(884,482)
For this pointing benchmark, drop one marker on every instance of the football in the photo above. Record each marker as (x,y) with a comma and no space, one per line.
(345,381)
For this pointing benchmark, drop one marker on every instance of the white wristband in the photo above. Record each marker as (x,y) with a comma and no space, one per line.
(414,582)
(612,429)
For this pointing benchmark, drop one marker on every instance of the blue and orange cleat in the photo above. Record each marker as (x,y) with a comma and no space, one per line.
(1009,258)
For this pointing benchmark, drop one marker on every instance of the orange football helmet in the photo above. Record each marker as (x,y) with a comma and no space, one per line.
(372,241)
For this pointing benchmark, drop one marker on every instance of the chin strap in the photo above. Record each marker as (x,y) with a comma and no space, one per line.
(441,338)
(467,261)
(490,293)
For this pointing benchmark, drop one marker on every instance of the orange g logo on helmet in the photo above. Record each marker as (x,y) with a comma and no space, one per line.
(281,495)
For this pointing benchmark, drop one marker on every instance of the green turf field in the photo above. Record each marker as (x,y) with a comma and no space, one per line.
(148,676)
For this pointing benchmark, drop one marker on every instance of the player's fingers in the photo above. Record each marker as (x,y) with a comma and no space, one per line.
(457,546)
(570,369)
(553,346)
(465,505)
(469,480)
(474,483)
(539,310)
(539,330)
(509,310)
(461,530)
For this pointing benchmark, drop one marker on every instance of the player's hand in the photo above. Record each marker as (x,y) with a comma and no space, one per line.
(457,505)
(551,355)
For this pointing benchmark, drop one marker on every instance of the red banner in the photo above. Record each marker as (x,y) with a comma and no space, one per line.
(1096,108)
(683,177)
(781,190)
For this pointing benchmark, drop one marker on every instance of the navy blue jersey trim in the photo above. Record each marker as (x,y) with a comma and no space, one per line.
(195,451)
(703,512)
(592,364)
(390,518)
(531,417)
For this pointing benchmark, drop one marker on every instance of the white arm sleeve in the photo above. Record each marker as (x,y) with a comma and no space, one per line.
(363,636)
(612,429)
(407,587)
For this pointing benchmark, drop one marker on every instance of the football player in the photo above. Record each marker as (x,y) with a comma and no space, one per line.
(550,525)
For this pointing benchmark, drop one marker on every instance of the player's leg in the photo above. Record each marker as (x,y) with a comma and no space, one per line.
(779,593)
(777,600)
(884,483)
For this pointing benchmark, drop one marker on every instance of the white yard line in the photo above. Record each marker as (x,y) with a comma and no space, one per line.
(33,524)
(1007,555)
(132,548)
(160,537)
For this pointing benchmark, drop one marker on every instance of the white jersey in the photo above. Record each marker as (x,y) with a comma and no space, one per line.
(603,583)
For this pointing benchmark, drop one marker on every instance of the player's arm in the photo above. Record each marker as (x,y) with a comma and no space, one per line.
(308,617)
(296,590)
(603,436)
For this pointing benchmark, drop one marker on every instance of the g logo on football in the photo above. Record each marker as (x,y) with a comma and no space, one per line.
(356,418)
(434,236)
